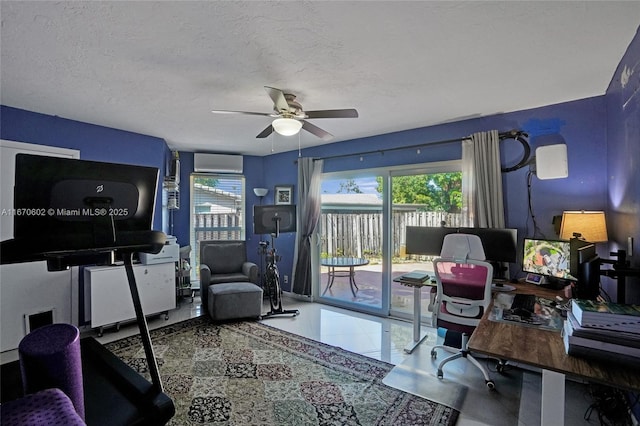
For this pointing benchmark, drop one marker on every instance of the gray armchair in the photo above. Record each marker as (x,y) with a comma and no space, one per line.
(224,262)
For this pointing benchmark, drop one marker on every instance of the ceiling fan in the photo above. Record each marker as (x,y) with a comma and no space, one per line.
(290,117)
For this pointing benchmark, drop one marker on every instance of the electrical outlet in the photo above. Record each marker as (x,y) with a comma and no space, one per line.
(286,279)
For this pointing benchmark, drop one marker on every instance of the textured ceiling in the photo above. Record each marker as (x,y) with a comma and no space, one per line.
(159,68)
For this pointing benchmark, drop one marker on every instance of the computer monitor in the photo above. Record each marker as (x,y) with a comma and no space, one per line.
(585,266)
(549,259)
(426,240)
(500,244)
(273,219)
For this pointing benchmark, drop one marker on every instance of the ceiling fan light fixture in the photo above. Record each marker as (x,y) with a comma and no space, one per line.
(286,126)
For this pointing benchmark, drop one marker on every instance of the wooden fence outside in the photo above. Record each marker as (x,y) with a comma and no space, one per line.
(342,234)
(360,234)
(218,226)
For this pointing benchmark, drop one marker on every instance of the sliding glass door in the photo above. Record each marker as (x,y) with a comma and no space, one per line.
(351,242)
(425,197)
(363,229)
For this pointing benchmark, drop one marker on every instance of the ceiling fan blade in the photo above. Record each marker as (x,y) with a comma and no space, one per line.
(266,132)
(277,96)
(311,128)
(333,113)
(221,111)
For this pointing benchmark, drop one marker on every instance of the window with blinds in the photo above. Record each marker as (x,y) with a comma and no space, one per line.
(217,210)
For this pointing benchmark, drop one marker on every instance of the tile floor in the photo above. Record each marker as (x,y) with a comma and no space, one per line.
(516,401)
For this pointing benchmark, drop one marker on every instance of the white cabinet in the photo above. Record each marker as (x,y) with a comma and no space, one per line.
(108,297)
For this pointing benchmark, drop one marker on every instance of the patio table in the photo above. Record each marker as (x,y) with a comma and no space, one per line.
(343,262)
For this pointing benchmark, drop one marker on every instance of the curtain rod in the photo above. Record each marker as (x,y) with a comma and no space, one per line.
(511,134)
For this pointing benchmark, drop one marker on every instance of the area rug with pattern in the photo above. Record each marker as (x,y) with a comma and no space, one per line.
(249,373)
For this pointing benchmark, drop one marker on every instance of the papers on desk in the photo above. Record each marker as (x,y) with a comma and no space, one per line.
(544,315)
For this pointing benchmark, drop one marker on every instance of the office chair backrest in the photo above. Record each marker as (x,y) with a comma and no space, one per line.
(464,282)
(461,247)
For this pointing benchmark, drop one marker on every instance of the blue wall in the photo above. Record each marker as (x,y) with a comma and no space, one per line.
(95,143)
(623,165)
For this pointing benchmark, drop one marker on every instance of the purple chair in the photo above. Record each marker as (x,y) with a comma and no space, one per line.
(44,408)
(50,358)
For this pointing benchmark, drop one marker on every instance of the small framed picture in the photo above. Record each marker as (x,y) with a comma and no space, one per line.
(283,194)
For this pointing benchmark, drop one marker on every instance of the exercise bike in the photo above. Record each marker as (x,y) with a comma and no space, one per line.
(272,278)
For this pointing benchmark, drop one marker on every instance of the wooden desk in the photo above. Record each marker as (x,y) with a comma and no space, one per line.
(545,349)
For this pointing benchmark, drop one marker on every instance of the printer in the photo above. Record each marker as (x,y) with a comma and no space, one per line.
(169,253)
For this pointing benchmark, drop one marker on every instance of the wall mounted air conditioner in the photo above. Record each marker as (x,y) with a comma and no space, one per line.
(217,163)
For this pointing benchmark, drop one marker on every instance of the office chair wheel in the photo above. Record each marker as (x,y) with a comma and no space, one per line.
(501,367)
(440,374)
(490,384)
(434,354)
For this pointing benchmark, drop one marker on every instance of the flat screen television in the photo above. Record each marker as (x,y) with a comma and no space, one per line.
(547,258)
(274,219)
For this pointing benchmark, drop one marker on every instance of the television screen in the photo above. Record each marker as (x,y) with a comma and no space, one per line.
(273,219)
(550,258)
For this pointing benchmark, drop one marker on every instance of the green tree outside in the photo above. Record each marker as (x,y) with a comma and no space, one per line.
(437,192)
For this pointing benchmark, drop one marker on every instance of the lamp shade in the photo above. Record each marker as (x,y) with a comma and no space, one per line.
(591,226)
(286,126)
(260,192)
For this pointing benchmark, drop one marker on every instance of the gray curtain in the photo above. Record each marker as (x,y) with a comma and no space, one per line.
(482,181)
(309,179)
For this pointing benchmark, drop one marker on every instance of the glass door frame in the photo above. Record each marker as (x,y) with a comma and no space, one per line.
(317,284)
(387,206)
(421,169)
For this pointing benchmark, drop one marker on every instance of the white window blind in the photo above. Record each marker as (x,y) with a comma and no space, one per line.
(217,209)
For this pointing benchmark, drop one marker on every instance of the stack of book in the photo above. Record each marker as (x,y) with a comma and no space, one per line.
(602,330)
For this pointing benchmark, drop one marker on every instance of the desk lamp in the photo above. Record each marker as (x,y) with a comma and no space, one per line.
(588,225)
